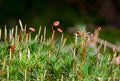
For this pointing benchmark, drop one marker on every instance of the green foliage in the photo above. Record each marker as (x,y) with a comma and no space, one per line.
(38,59)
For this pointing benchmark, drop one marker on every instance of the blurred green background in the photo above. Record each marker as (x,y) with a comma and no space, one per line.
(69,12)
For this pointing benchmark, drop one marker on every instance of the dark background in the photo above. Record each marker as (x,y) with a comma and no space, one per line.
(69,12)
(35,13)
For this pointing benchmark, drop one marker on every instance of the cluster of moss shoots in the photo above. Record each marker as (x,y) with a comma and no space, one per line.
(26,58)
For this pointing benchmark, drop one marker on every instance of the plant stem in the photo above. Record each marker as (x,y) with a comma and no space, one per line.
(8,73)
(28,53)
(0,33)
(74,54)
(44,35)
(10,56)
(25,75)
(53,36)
(5,34)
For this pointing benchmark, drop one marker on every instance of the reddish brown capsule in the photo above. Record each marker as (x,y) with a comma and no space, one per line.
(78,32)
(56,23)
(59,30)
(26,35)
(12,48)
(32,29)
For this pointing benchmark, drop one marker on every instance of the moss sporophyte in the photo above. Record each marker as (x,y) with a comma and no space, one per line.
(55,26)
(28,58)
